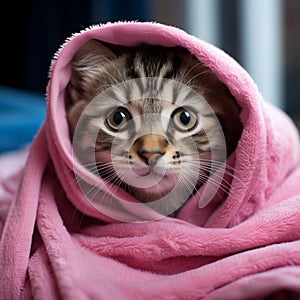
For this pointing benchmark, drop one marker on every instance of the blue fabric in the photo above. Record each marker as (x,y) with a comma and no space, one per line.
(21,115)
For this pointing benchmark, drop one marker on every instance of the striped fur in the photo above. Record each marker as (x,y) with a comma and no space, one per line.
(151,117)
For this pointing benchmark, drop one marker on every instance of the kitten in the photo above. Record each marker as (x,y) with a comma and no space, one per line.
(147,118)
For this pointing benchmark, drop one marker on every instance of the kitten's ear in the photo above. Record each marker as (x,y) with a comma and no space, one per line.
(86,66)
(91,55)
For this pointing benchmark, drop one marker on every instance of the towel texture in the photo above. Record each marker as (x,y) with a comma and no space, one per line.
(244,244)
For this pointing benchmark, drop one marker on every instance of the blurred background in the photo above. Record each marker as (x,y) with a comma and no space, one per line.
(262,35)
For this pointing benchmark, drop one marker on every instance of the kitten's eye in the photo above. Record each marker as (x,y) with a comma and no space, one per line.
(118,119)
(184,119)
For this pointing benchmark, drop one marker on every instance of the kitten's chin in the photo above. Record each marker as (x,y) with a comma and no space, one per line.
(155,192)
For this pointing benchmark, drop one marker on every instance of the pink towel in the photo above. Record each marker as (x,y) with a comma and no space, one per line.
(244,244)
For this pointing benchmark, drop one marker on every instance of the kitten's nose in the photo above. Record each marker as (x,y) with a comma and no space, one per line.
(150,148)
(150,158)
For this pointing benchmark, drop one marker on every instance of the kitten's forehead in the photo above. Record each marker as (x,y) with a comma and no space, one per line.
(148,105)
(150,62)
(148,112)
(170,96)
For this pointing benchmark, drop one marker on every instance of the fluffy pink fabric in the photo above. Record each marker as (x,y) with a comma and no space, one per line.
(242,245)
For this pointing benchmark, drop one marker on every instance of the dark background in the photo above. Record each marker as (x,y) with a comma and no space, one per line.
(33,30)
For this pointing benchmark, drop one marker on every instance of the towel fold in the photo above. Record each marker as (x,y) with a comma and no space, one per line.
(242,244)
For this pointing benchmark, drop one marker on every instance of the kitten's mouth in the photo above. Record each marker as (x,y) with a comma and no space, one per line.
(156,188)
(147,170)
(144,171)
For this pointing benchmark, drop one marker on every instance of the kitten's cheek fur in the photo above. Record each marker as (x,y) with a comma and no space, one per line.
(103,157)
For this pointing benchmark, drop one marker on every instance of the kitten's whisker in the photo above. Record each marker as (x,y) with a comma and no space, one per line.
(219,177)
(188,83)
(221,164)
(218,182)
(115,183)
(223,172)
(187,182)
(187,71)
(214,166)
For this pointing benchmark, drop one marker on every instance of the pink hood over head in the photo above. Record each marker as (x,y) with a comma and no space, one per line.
(263,140)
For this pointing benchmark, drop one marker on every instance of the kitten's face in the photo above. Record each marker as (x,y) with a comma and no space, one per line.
(148,119)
